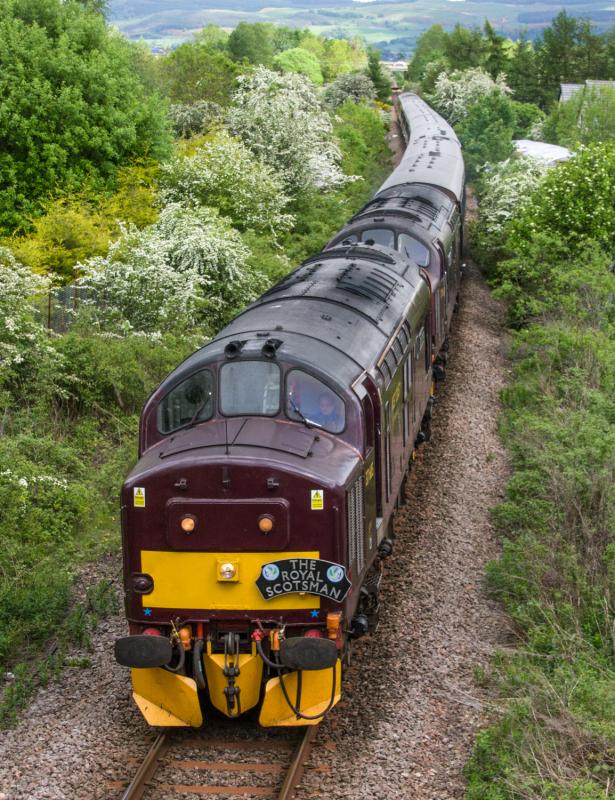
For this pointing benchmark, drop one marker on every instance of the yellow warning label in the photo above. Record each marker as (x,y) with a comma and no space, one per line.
(369,473)
(317,499)
(139,497)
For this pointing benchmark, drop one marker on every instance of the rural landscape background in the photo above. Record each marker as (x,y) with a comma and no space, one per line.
(392,27)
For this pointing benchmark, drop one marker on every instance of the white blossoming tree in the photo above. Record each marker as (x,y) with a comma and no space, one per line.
(224,173)
(355,86)
(505,190)
(189,268)
(24,343)
(281,119)
(454,94)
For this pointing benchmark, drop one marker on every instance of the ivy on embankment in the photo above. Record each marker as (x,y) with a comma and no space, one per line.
(553,731)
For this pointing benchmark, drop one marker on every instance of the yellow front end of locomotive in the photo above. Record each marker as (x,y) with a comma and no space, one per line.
(227,581)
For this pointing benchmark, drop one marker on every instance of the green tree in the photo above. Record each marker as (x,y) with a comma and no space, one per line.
(73,104)
(496,56)
(299,60)
(557,52)
(464,48)
(197,72)
(522,73)
(592,53)
(377,75)
(527,116)
(430,47)
(587,118)
(213,37)
(253,42)
(486,132)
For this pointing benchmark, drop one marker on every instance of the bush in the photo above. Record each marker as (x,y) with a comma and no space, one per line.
(503,191)
(485,132)
(575,201)
(455,94)
(353,86)
(281,119)
(187,269)
(223,174)
(301,61)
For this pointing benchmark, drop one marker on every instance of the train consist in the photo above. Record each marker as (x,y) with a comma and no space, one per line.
(272,460)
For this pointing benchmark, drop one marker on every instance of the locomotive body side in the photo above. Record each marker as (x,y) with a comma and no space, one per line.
(271,463)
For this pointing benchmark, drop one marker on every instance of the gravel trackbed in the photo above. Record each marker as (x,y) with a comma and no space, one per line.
(411,709)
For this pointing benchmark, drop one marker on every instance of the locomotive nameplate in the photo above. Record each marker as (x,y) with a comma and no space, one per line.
(306,575)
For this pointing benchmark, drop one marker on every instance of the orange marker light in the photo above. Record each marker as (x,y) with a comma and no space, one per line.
(188,524)
(265,523)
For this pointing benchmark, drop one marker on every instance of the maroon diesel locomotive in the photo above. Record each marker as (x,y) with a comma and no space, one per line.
(272,460)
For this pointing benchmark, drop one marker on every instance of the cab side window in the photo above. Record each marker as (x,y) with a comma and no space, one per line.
(411,248)
(189,402)
(311,400)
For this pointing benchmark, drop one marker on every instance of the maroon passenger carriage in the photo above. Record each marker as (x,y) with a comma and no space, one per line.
(272,460)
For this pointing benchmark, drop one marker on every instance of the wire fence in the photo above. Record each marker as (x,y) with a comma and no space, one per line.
(57,309)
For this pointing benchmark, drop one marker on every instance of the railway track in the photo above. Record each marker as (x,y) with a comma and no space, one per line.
(177,762)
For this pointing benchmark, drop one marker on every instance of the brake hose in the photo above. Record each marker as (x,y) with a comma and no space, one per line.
(279,667)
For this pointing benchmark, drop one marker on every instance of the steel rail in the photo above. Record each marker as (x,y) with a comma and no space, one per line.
(148,767)
(297,766)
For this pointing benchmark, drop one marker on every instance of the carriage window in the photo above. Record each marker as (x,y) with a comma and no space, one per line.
(309,399)
(383,236)
(350,239)
(412,248)
(191,401)
(250,387)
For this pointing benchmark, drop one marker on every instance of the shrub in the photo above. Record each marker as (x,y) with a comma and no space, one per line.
(353,86)
(190,119)
(455,94)
(223,174)
(280,118)
(188,268)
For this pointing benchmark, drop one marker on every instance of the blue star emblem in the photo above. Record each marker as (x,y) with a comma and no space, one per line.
(147,612)
(314,614)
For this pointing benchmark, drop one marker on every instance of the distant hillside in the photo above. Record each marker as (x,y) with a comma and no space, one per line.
(391,26)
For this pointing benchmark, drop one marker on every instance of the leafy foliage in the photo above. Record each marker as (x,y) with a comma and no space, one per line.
(281,119)
(73,105)
(378,77)
(195,72)
(300,60)
(224,174)
(485,132)
(505,189)
(455,94)
(23,344)
(195,118)
(353,86)
(188,268)
(76,227)
(588,117)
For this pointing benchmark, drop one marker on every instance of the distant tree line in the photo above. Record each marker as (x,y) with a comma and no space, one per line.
(568,51)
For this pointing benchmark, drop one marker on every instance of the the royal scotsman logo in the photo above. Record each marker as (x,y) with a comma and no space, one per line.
(310,575)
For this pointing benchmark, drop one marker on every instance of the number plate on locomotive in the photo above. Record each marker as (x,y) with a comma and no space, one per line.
(309,575)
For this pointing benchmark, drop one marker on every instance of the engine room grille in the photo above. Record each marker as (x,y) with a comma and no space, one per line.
(356,543)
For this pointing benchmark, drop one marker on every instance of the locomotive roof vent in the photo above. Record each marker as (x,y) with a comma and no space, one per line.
(234,348)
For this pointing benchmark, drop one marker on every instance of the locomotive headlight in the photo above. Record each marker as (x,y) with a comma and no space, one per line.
(265,523)
(228,570)
(187,524)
